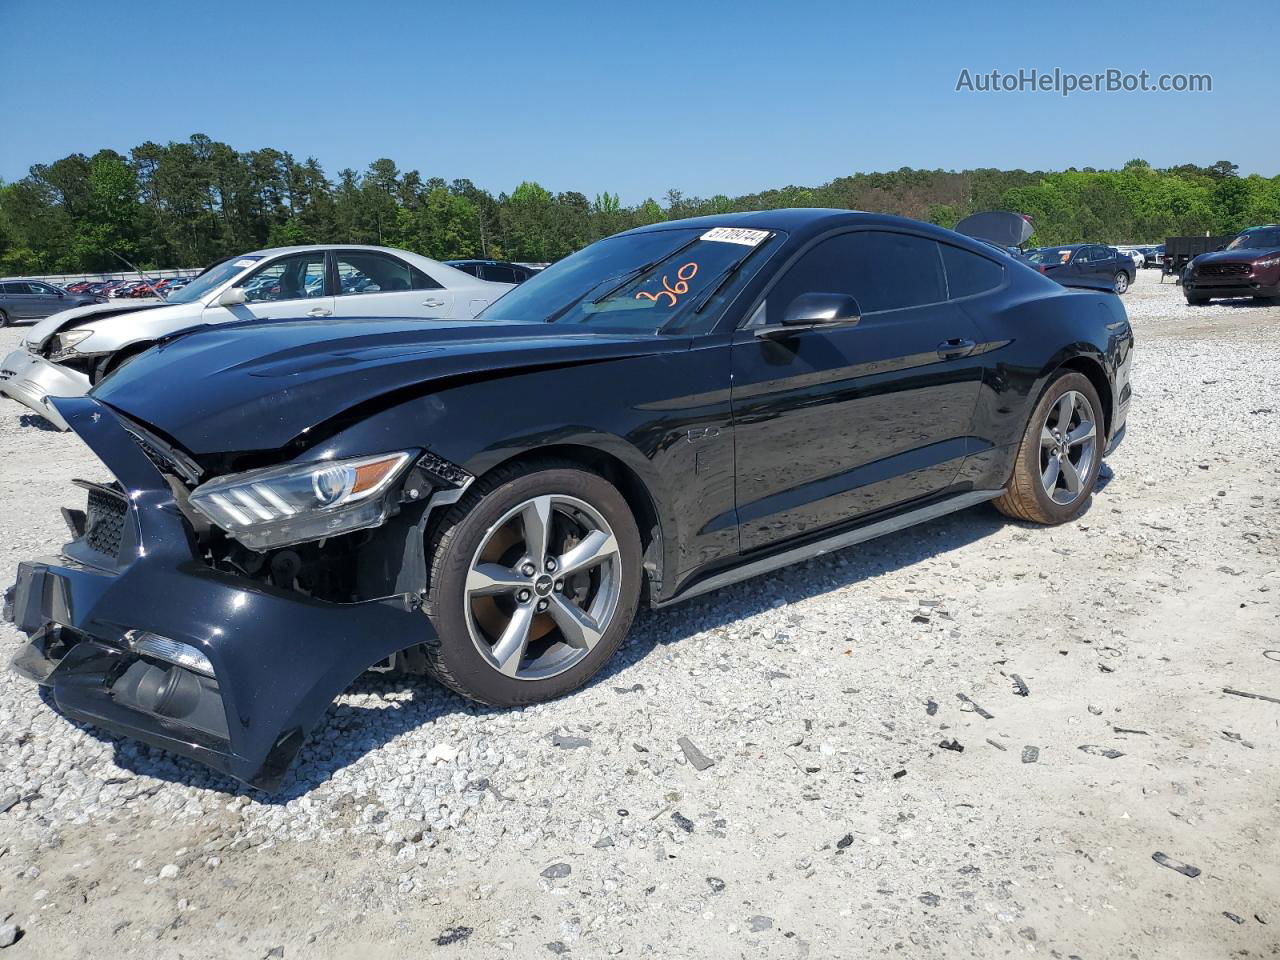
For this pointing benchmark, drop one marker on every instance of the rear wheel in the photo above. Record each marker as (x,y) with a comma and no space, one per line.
(4,319)
(1120,282)
(1061,453)
(535,578)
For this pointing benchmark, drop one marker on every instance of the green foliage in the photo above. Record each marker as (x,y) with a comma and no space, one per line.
(189,203)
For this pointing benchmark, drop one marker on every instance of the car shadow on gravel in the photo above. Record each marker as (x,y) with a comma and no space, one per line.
(377,709)
(38,422)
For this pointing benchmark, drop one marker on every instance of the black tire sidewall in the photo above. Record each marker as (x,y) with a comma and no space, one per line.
(4,319)
(1029,459)
(468,669)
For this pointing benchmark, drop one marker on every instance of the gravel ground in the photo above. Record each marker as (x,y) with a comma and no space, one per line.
(832,821)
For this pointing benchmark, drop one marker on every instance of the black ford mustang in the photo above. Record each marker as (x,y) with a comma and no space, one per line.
(667,411)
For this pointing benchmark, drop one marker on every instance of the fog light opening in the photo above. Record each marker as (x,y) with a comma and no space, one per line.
(171,651)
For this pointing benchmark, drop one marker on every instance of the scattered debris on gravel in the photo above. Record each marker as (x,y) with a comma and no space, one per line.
(760,768)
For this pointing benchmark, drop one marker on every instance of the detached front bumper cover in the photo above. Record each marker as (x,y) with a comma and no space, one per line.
(278,657)
(34,382)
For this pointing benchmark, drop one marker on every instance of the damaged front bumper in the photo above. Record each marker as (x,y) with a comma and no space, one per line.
(34,381)
(269,660)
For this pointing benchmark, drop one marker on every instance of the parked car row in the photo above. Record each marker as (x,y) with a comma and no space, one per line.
(307,480)
(142,287)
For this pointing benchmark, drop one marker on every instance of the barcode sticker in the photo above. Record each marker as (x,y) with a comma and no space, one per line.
(748,238)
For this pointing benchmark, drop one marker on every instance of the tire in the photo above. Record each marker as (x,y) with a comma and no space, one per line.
(1025,496)
(1120,283)
(4,319)
(489,528)
(115,362)
(1197,301)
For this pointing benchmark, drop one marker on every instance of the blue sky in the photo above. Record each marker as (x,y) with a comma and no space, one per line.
(635,99)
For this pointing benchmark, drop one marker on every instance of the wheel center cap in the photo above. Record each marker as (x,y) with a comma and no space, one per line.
(542,586)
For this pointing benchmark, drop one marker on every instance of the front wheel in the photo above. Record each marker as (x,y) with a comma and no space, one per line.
(1197,301)
(534,581)
(1120,283)
(1057,465)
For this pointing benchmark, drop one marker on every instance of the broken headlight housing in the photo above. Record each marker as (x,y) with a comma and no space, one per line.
(64,345)
(300,502)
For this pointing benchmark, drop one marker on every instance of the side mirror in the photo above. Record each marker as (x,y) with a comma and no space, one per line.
(815,309)
(231,297)
(1218,249)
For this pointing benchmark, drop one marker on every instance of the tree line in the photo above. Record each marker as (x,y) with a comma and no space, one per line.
(190,203)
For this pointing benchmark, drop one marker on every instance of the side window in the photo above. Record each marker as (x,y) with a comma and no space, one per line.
(471,268)
(881,270)
(362,271)
(969,274)
(499,274)
(298,277)
(8,289)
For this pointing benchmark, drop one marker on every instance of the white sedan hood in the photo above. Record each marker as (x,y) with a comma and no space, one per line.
(78,316)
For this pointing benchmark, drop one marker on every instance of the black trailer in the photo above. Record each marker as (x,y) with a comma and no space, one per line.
(1179,251)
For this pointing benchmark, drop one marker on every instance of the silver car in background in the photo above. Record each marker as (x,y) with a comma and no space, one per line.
(69,352)
(30,300)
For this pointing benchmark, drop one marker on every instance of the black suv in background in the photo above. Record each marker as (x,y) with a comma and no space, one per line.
(32,300)
(496,271)
(1091,265)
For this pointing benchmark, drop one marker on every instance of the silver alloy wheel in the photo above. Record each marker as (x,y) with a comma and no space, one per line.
(1121,282)
(1068,445)
(543,587)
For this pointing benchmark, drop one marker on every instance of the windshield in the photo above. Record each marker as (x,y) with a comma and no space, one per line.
(1263,238)
(1050,256)
(211,279)
(643,281)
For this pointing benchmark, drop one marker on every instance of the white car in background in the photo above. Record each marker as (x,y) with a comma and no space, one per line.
(69,352)
(1136,255)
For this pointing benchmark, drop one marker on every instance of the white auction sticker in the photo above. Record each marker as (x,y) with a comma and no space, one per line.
(748,238)
(244,263)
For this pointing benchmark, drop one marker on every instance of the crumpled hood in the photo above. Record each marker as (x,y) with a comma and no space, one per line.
(257,385)
(79,316)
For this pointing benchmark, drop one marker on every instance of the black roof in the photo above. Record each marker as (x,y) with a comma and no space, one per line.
(802,223)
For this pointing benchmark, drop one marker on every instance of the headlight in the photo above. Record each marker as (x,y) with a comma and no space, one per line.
(64,344)
(299,502)
(1267,264)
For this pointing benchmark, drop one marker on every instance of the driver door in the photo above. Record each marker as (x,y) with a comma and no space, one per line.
(290,287)
(835,423)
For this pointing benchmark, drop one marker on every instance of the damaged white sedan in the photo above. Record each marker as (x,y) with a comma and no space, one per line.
(66,354)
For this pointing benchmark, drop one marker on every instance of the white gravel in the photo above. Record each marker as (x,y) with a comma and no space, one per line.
(830,822)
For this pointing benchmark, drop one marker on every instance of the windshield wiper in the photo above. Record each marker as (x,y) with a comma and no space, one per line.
(643,269)
(725,277)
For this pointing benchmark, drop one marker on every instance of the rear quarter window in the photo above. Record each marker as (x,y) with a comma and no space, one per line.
(969,274)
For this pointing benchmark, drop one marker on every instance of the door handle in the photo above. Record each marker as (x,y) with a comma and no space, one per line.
(955,348)
(432,302)
(319,312)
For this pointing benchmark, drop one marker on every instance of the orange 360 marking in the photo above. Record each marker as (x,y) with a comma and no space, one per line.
(683,276)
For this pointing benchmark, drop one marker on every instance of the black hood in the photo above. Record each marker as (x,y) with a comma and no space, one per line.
(258,385)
